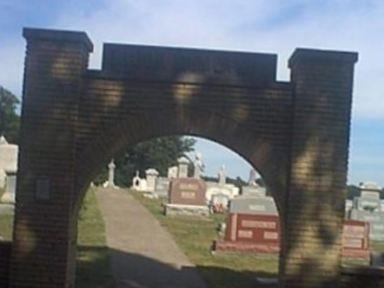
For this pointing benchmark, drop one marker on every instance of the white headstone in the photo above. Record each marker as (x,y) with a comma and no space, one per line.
(183,167)
(151,176)
(8,159)
(172,172)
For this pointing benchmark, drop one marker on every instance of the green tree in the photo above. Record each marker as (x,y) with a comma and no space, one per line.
(353,191)
(159,153)
(9,120)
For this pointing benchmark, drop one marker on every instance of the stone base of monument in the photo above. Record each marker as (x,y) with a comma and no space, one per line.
(188,210)
(8,198)
(236,246)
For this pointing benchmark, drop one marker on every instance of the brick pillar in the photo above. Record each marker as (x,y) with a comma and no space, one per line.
(45,225)
(322,83)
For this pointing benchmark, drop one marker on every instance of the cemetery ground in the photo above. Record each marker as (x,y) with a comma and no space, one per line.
(93,268)
(195,236)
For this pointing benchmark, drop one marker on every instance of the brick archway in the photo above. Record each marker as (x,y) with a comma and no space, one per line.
(73,119)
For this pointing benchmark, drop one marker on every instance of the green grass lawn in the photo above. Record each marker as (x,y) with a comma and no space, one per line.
(195,236)
(93,268)
(377,246)
(6,223)
(6,226)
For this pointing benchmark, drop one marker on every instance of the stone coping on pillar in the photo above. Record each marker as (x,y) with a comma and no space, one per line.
(306,55)
(58,36)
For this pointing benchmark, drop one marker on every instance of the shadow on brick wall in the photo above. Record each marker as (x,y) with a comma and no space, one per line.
(5,252)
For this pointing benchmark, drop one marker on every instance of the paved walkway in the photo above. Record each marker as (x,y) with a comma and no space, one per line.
(143,254)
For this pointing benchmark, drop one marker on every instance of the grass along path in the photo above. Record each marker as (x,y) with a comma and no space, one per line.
(6,224)
(6,227)
(195,235)
(93,269)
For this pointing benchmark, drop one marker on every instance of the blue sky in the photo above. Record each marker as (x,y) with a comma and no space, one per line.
(273,26)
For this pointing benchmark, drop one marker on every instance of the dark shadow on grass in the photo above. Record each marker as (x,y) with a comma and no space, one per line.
(93,268)
(137,271)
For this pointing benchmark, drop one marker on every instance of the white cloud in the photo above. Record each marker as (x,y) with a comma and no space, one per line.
(266,26)
(261,26)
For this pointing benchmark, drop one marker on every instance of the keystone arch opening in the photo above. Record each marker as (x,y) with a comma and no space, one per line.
(296,133)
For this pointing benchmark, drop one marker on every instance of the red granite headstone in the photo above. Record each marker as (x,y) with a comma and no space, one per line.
(261,234)
(187,191)
(251,232)
(356,239)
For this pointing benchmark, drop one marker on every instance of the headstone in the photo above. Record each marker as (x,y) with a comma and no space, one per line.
(251,232)
(215,189)
(9,195)
(111,174)
(198,165)
(151,176)
(254,190)
(375,219)
(162,186)
(187,197)
(367,208)
(355,241)
(8,159)
(182,171)
(187,191)
(253,226)
(172,172)
(222,176)
(253,205)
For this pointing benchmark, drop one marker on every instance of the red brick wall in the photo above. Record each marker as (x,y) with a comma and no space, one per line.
(5,253)
(74,120)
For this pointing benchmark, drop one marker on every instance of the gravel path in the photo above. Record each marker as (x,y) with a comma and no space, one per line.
(143,254)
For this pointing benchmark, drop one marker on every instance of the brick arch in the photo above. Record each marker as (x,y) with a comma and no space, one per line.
(295,132)
(258,152)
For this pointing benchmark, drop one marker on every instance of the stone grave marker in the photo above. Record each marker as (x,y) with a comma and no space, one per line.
(182,171)
(151,176)
(253,190)
(253,205)
(253,225)
(367,208)
(187,197)
(172,172)
(8,159)
(162,186)
(355,241)
(216,189)
(187,191)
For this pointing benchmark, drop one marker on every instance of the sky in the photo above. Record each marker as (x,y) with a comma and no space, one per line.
(272,26)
